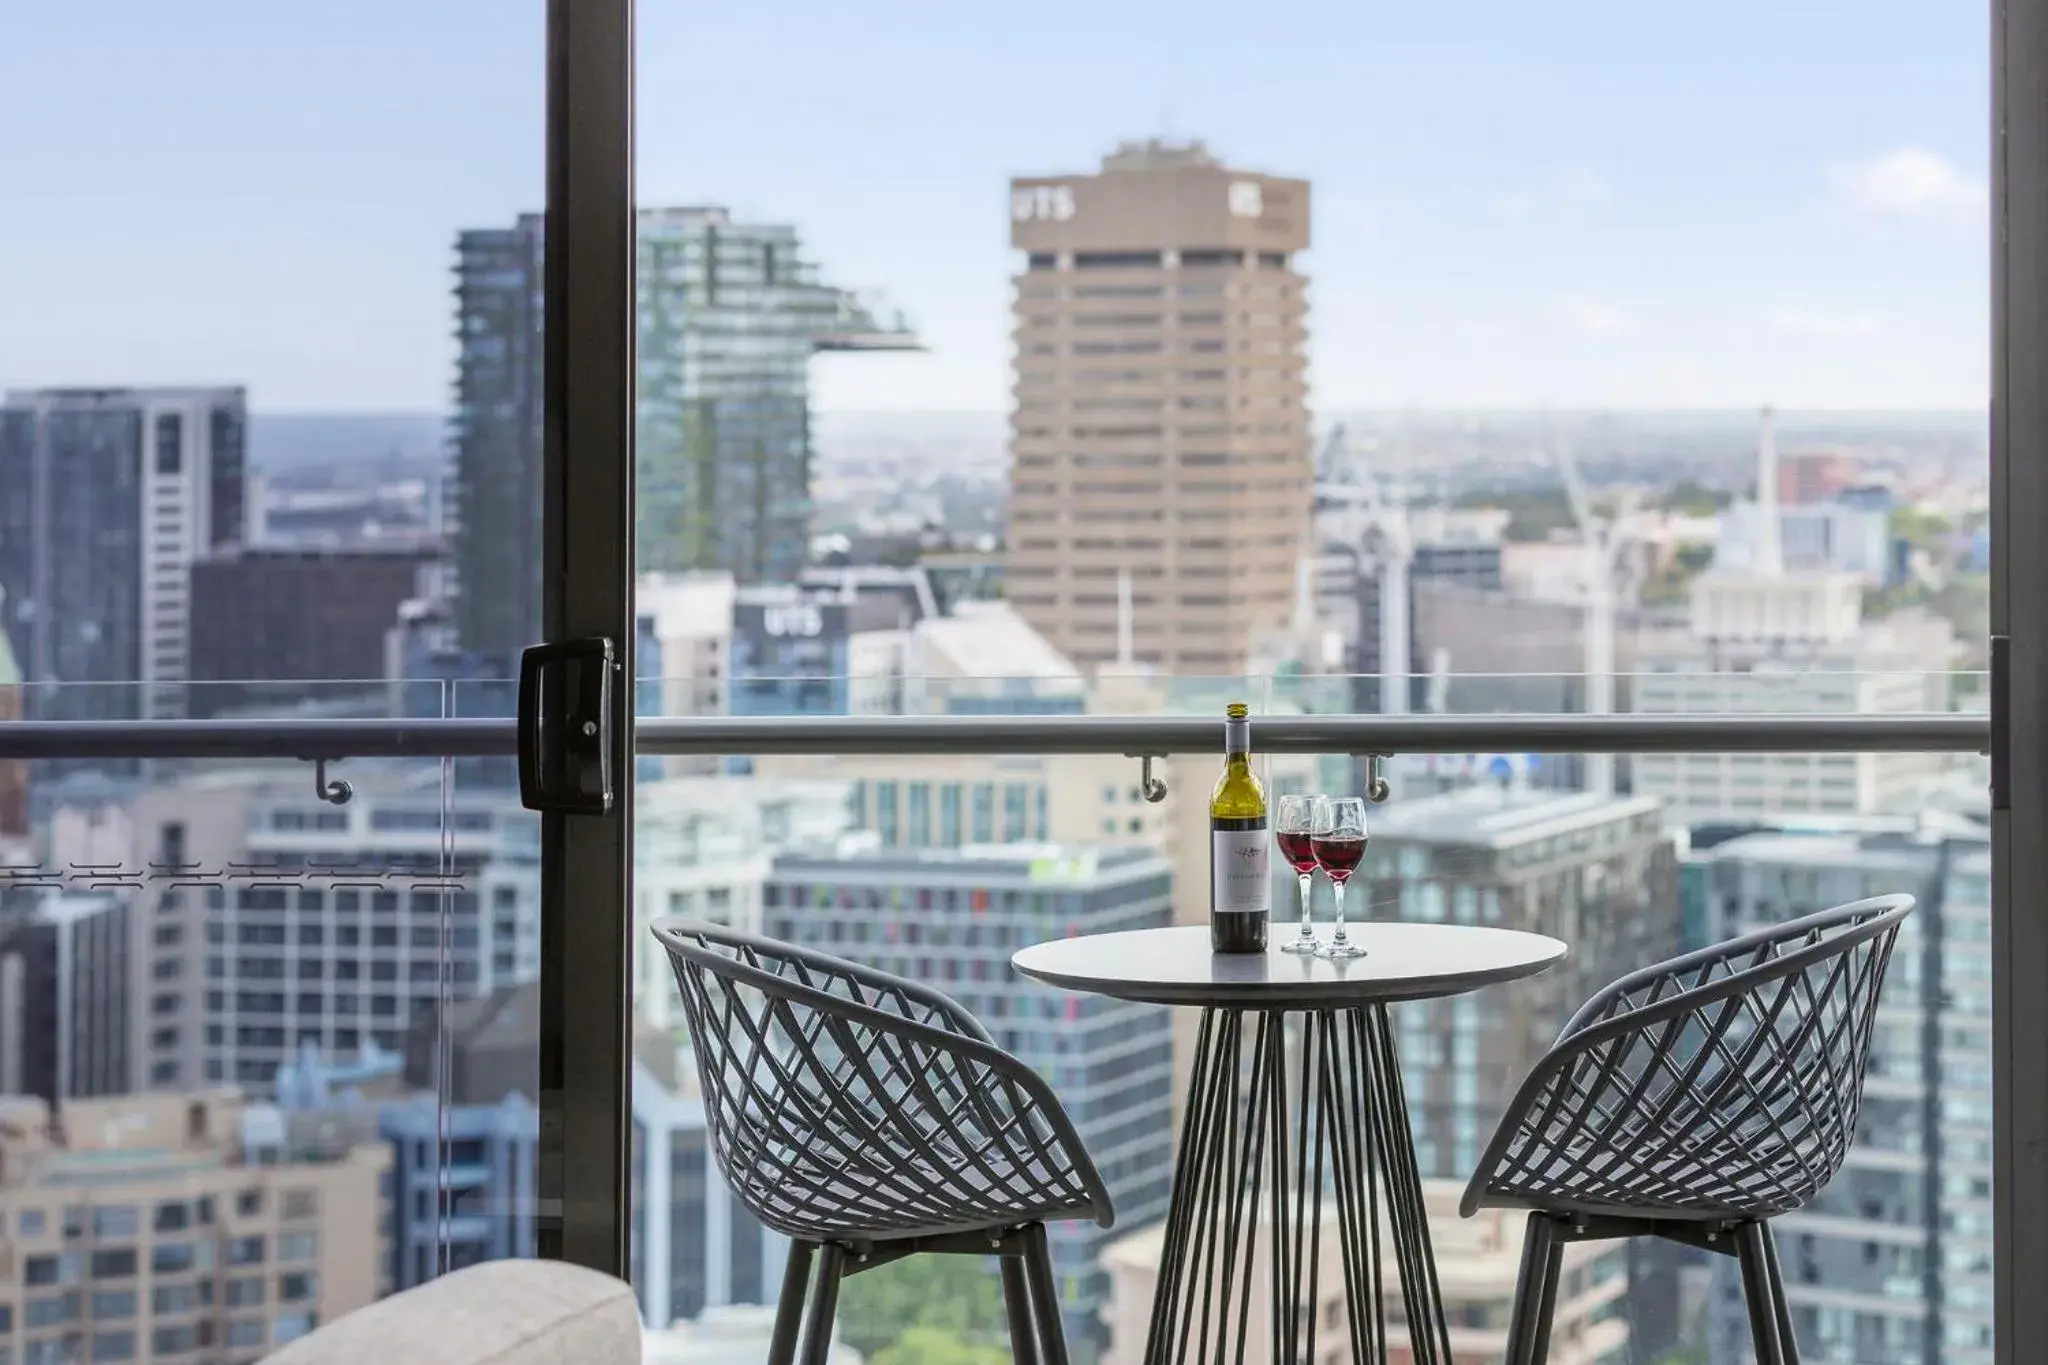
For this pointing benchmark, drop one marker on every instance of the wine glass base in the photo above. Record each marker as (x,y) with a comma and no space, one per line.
(1306,944)
(1341,950)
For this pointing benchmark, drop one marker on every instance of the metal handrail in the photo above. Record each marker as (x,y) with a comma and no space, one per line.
(1129,735)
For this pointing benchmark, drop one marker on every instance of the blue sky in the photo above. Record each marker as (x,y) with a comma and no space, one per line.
(1616,204)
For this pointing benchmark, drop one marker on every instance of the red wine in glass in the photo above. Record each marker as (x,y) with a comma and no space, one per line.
(1299,851)
(1339,854)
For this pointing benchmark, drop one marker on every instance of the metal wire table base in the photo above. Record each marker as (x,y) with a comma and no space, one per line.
(1288,1111)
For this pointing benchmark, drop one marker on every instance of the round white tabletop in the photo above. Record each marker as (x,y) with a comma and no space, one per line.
(1403,961)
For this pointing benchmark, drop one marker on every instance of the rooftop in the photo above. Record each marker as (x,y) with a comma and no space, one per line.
(1860,852)
(1498,816)
(1158,154)
(990,640)
(1031,863)
(163,1137)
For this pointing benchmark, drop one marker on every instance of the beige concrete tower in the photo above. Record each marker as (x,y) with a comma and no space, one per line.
(1160,429)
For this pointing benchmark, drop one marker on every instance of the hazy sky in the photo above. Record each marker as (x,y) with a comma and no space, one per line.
(1632,203)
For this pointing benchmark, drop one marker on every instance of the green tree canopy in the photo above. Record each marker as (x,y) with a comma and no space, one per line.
(1533,512)
(961,1296)
(1692,499)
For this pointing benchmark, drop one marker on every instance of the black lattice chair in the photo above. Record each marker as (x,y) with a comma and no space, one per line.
(868,1118)
(1695,1100)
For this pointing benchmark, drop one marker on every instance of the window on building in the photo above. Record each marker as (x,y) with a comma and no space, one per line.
(170,1341)
(949,815)
(112,1346)
(116,1220)
(111,1305)
(113,1264)
(290,1327)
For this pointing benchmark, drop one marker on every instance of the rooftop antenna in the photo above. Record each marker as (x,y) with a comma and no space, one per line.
(1770,552)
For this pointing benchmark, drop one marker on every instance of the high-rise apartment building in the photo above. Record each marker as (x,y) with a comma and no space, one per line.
(1160,434)
(730,316)
(278,921)
(1892,1262)
(107,496)
(1893,665)
(192,1228)
(279,625)
(492,504)
(64,993)
(1599,872)
(953,919)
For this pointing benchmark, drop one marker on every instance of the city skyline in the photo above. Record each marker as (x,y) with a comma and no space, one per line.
(1554,212)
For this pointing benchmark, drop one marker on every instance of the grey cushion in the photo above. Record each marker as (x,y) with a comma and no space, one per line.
(498,1313)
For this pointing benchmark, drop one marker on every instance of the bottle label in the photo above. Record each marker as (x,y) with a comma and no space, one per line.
(1239,873)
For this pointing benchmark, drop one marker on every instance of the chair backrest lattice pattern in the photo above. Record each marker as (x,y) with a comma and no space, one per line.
(1724,1083)
(843,1102)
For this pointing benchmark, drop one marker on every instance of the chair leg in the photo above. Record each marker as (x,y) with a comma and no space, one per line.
(1528,1305)
(1546,1302)
(789,1309)
(1017,1308)
(824,1305)
(1788,1340)
(1045,1299)
(1752,1246)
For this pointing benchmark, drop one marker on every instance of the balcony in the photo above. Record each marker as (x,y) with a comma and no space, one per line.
(332,958)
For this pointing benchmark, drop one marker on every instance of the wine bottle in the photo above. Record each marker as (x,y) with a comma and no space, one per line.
(1240,888)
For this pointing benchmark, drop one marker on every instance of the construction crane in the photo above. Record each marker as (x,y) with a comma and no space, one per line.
(1377,535)
(1604,563)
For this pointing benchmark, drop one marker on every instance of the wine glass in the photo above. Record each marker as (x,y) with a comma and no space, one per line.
(1294,827)
(1338,837)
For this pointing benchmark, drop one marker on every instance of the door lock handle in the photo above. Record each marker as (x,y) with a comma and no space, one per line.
(565,726)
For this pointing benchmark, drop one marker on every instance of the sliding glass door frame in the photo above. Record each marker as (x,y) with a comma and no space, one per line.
(2019,625)
(586,1127)
(587,576)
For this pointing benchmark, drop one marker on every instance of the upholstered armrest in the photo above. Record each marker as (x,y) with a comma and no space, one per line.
(498,1313)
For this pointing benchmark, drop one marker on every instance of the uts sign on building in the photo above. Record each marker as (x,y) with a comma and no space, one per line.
(1161,370)
(788,656)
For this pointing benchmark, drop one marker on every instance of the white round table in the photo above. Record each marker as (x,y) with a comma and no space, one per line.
(1294,1067)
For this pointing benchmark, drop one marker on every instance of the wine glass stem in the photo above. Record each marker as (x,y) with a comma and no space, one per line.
(1338,888)
(1307,885)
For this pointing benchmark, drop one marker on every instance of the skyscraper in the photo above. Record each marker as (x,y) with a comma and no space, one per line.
(106,498)
(64,993)
(1599,872)
(193,1227)
(1160,427)
(1892,1261)
(730,316)
(952,919)
(492,506)
(282,921)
